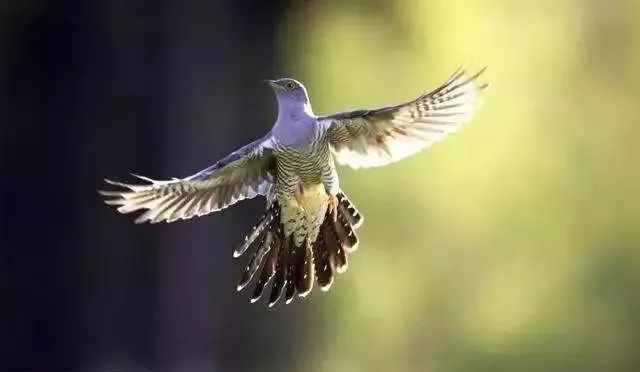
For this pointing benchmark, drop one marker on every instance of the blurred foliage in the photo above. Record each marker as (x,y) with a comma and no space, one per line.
(514,245)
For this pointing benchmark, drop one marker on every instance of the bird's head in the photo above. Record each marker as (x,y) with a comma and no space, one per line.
(289,92)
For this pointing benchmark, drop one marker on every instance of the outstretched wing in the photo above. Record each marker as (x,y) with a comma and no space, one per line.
(242,174)
(369,138)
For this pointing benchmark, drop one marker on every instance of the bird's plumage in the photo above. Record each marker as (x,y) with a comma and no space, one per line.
(369,138)
(309,224)
(310,173)
(293,268)
(243,174)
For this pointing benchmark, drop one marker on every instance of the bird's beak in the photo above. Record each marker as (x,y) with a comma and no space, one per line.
(272,84)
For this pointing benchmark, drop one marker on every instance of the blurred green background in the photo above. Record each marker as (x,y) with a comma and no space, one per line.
(515,244)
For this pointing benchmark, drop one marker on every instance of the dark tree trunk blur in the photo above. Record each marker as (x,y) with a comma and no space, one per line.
(98,89)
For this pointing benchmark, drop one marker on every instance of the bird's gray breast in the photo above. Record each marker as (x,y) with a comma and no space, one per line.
(295,132)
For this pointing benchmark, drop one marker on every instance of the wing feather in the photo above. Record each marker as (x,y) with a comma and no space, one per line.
(369,138)
(242,174)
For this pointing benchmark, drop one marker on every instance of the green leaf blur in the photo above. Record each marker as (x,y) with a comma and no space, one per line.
(515,244)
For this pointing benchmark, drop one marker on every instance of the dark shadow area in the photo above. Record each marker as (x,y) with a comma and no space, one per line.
(97,89)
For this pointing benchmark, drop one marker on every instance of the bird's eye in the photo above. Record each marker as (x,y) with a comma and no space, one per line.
(291,85)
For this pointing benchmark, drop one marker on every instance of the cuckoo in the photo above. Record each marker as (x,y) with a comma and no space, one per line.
(309,224)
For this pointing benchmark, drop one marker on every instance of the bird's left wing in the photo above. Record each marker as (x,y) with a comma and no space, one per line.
(370,138)
(243,174)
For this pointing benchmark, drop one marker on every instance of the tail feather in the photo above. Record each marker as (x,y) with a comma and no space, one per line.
(349,210)
(256,260)
(337,255)
(345,233)
(324,274)
(293,270)
(304,281)
(294,266)
(269,267)
(258,230)
(280,277)
(260,239)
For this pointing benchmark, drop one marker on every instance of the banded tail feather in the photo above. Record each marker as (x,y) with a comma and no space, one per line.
(280,278)
(349,210)
(306,276)
(292,267)
(263,239)
(293,270)
(269,267)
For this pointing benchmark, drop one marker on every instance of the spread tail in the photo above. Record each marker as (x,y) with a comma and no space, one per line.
(294,269)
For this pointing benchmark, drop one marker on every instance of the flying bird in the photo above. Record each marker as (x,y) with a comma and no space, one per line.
(309,224)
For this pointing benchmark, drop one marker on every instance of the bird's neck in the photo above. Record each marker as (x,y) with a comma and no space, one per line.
(296,126)
(294,111)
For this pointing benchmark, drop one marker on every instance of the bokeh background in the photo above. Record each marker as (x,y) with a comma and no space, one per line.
(512,246)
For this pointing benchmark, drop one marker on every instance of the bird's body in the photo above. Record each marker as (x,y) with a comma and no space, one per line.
(305,172)
(309,224)
(306,180)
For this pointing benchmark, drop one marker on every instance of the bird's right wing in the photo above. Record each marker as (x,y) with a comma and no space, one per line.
(370,138)
(243,174)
